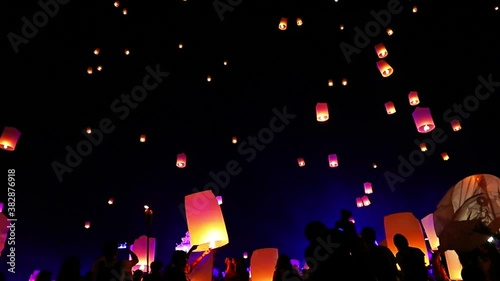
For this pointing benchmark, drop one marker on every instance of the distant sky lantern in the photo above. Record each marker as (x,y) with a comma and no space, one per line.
(366,201)
(381,51)
(283,24)
(341,27)
(181,160)
(225,62)
(301,162)
(219,200)
(390,108)
(368,187)
(414,9)
(205,221)
(333,161)
(127,52)
(496,8)
(117,4)
(445,156)
(374,165)
(263,263)
(111,201)
(322,114)
(384,68)
(299,22)
(359,202)
(125,12)
(97,51)
(87,224)
(99,67)
(344,82)
(389,31)
(413,98)
(455,125)
(245,255)
(423,119)
(142,138)
(88,130)
(181,46)
(330,83)
(423,147)
(209,78)
(234,140)
(89,70)
(9,138)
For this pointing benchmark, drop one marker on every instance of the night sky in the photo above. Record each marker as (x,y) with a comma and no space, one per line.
(440,51)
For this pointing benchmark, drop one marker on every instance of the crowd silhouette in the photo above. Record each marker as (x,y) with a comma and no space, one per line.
(338,253)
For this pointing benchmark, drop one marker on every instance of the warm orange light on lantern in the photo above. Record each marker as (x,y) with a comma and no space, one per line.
(142,138)
(299,22)
(430,231)
(374,165)
(368,187)
(390,108)
(283,24)
(322,114)
(366,201)
(263,264)
(181,160)
(9,138)
(344,82)
(384,68)
(116,4)
(455,125)
(111,201)
(234,140)
(381,51)
(205,222)
(330,83)
(453,264)
(423,119)
(413,98)
(423,147)
(140,248)
(97,51)
(301,162)
(89,70)
(125,12)
(127,52)
(209,78)
(225,62)
(389,32)
(445,156)
(99,67)
(415,9)
(181,46)
(359,202)
(341,27)
(88,130)
(87,224)
(333,161)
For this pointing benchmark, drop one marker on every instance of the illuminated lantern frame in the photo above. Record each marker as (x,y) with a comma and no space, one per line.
(413,98)
(423,119)
(283,24)
(385,69)
(359,202)
(366,201)
(322,113)
(333,160)
(181,160)
(368,187)
(390,108)
(263,264)
(455,125)
(381,51)
(301,162)
(9,138)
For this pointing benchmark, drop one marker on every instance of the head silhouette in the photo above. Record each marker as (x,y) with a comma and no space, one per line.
(110,250)
(400,241)
(368,234)
(284,263)
(314,230)
(179,259)
(70,269)
(156,266)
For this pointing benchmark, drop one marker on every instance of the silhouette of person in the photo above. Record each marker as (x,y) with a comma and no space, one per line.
(70,270)
(411,260)
(381,259)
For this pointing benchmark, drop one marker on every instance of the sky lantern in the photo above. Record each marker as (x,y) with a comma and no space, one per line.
(9,138)
(322,114)
(181,160)
(413,98)
(225,62)
(374,165)
(87,225)
(219,200)
(263,264)
(344,82)
(116,4)
(209,78)
(89,70)
(384,68)
(381,51)
(366,201)
(455,125)
(330,83)
(423,119)
(245,255)
(140,248)
(88,130)
(111,201)
(127,52)
(97,51)
(454,265)
(181,46)
(341,27)
(389,31)
(301,162)
(423,147)
(283,23)
(125,12)
(99,67)
(414,9)
(359,202)
(205,221)
(333,161)
(299,22)
(234,140)
(142,138)
(368,187)
(445,156)
(390,108)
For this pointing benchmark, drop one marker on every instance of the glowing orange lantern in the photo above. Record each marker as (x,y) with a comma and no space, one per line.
(142,138)
(455,125)
(209,78)
(9,138)
(234,140)
(97,51)
(330,83)
(219,200)
(87,224)
(344,82)
(283,24)
(181,160)
(140,248)
(366,201)
(205,222)
(413,98)
(445,156)
(368,187)
(423,119)
(333,160)
(430,231)
(454,265)
(374,165)
(423,147)
(181,46)
(390,108)
(88,130)
(381,51)
(415,9)
(117,4)
(384,68)
(389,32)
(299,22)
(341,27)
(99,67)
(322,112)
(263,264)
(89,70)
(127,52)
(125,12)
(359,202)
(301,162)
(111,201)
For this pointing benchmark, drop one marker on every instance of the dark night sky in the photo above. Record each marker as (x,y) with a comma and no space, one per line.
(47,94)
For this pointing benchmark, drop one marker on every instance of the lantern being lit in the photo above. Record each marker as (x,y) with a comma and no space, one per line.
(381,51)
(455,125)
(322,112)
(283,24)
(181,160)
(390,108)
(333,161)
(368,188)
(359,202)
(205,221)
(301,162)
(384,68)
(366,201)
(413,98)
(423,119)
(9,138)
